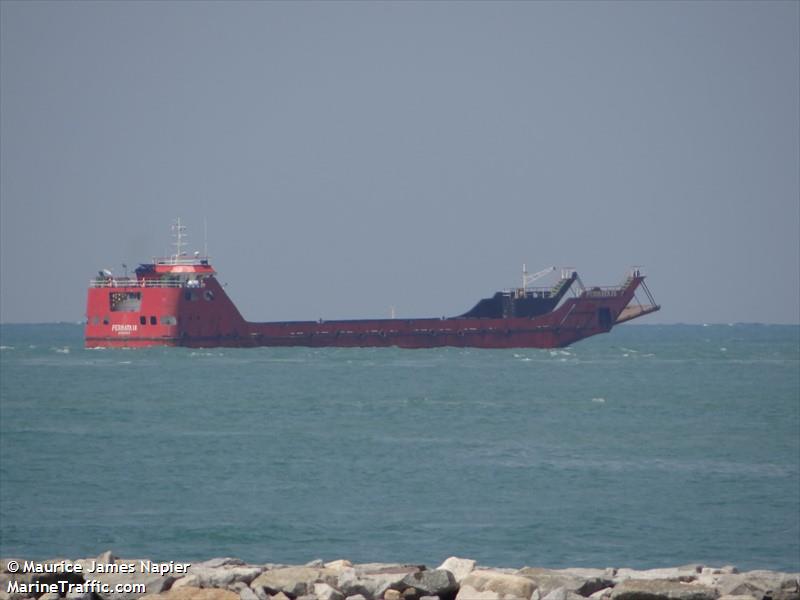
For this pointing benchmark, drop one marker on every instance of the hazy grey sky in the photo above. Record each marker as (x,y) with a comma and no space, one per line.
(353,156)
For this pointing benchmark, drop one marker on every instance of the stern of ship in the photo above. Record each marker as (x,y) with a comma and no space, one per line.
(172,301)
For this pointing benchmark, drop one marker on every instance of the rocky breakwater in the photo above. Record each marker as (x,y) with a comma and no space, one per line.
(108,577)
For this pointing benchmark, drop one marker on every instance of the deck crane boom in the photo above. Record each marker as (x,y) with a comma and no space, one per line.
(529,279)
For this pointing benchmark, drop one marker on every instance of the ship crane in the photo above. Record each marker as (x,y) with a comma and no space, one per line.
(529,279)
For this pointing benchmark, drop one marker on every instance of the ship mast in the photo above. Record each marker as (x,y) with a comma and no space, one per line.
(205,237)
(178,232)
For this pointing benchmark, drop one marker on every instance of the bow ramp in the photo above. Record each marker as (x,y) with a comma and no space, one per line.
(635,308)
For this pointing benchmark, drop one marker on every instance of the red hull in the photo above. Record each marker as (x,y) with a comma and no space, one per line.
(199,313)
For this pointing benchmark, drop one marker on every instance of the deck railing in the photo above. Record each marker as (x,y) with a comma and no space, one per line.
(182,260)
(608,291)
(140,283)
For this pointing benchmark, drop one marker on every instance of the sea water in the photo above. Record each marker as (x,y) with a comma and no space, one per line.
(650,446)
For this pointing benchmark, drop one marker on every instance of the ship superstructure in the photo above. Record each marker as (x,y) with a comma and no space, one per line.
(177,301)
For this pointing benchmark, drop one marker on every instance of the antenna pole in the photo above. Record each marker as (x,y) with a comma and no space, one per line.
(205,236)
(179,235)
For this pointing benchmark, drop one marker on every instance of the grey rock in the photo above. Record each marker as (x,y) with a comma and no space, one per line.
(356,597)
(219,577)
(244,591)
(316,563)
(383,568)
(733,584)
(293,581)
(193,593)
(349,583)
(585,573)
(773,580)
(438,582)
(323,591)
(215,563)
(280,596)
(374,582)
(429,598)
(557,594)
(410,593)
(78,595)
(491,584)
(260,593)
(643,589)
(758,584)
(594,585)
(106,557)
(783,595)
(307,597)
(562,594)
(583,582)
(392,595)
(459,567)
(153,583)
(467,592)
(686,574)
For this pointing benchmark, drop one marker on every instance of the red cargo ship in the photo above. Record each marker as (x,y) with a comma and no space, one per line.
(177,301)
